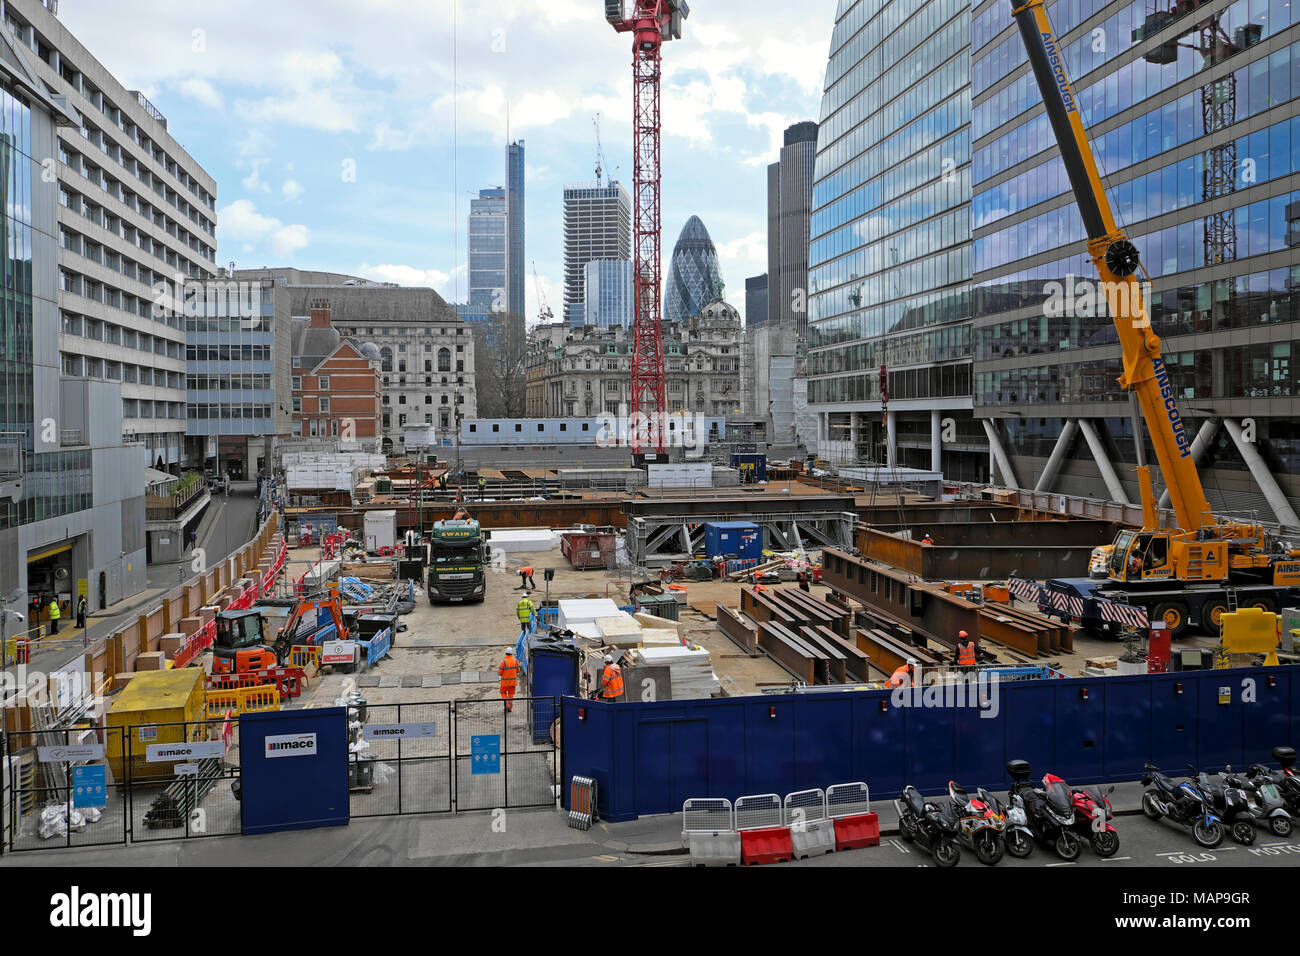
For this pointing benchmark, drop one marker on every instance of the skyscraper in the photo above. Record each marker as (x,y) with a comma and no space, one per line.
(756,301)
(608,292)
(789,201)
(694,278)
(597,225)
(515,252)
(889,276)
(1194,115)
(486,236)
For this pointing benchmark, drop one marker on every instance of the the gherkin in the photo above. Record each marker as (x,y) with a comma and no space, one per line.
(694,279)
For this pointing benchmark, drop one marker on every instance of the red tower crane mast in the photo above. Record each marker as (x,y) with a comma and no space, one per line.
(651,23)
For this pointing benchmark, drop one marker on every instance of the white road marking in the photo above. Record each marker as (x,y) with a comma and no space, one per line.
(1063,863)
(1112,859)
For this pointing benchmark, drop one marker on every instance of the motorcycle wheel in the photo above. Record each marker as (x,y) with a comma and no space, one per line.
(1067,846)
(988,848)
(1280,826)
(1149,806)
(947,853)
(906,829)
(1019,844)
(1105,843)
(1207,835)
(1243,831)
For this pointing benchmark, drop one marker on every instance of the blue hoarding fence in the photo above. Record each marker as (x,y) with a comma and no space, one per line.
(648,758)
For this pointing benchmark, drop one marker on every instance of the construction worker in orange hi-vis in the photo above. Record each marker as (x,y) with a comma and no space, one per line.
(611,680)
(965,650)
(904,675)
(508,671)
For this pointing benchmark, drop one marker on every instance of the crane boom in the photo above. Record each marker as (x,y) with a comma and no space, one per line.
(1144,375)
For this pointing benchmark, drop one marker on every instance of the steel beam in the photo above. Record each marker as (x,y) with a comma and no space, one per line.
(1113,484)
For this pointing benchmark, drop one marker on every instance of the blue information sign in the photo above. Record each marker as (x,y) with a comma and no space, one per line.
(89,787)
(485,751)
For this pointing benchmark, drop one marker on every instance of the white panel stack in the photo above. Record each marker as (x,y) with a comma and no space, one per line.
(622,630)
(522,540)
(585,611)
(681,476)
(691,669)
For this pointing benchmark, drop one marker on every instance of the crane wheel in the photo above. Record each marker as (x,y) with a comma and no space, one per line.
(1174,614)
(1212,616)
(1263,604)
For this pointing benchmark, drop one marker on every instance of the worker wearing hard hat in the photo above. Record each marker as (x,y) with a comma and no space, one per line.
(526,578)
(524,611)
(904,675)
(927,539)
(611,680)
(965,650)
(508,671)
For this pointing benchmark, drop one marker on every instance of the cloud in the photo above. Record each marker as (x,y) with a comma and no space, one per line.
(202,91)
(254,182)
(291,189)
(241,222)
(751,247)
(441,282)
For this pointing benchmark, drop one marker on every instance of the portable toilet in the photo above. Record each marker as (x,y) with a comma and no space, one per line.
(744,539)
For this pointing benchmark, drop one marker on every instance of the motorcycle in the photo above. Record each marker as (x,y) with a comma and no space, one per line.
(979,825)
(1049,810)
(933,826)
(1182,802)
(1016,835)
(1264,799)
(1092,816)
(1229,804)
(1286,780)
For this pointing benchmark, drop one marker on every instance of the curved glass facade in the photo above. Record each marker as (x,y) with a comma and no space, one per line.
(890,257)
(1195,122)
(694,277)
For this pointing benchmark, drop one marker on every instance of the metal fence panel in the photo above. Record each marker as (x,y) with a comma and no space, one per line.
(499,760)
(706,814)
(405,764)
(805,806)
(848,799)
(758,810)
(183,780)
(59,803)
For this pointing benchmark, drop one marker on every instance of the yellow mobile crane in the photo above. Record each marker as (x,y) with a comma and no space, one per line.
(1204,566)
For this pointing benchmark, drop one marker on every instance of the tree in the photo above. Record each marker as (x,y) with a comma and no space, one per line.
(500,354)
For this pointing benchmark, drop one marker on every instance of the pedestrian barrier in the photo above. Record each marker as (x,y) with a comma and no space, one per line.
(766,845)
(849,806)
(811,832)
(241,700)
(289,681)
(708,831)
(582,803)
(304,655)
(195,644)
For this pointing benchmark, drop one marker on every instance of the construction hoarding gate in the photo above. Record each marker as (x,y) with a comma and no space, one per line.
(103,786)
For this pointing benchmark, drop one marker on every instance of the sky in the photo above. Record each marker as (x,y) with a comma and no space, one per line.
(337,144)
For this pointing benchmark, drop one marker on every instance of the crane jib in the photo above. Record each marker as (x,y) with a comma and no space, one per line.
(1055,60)
(1171,407)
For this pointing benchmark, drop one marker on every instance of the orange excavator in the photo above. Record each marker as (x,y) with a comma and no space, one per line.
(241,644)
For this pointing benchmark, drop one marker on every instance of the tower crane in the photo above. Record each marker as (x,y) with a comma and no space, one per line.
(651,23)
(544,313)
(600,155)
(1202,567)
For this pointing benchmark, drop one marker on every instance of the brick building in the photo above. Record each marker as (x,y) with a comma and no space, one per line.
(336,384)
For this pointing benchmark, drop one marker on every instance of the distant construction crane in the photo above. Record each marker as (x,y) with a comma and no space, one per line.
(651,23)
(600,155)
(544,313)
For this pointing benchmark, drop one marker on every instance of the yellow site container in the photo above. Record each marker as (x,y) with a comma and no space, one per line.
(1251,631)
(153,709)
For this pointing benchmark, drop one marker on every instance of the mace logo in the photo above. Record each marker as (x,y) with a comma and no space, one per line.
(291,745)
(74,910)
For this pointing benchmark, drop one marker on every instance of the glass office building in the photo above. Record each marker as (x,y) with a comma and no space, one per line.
(609,297)
(694,276)
(890,253)
(486,236)
(515,228)
(1193,112)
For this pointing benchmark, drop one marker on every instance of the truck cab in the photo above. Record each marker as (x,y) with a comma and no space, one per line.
(457,554)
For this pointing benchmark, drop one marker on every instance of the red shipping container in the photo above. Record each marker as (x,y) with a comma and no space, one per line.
(765,845)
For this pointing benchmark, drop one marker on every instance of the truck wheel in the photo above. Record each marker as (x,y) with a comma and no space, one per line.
(1212,615)
(1263,603)
(1174,614)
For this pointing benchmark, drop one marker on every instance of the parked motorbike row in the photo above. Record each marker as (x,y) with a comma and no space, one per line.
(1060,817)
(1054,815)
(1229,802)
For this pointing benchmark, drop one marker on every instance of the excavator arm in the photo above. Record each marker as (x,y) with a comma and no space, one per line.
(1116,258)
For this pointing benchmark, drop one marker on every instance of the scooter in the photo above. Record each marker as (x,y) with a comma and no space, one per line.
(1092,816)
(1184,803)
(1016,835)
(933,826)
(1264,800)
(1049,810)
(1229,803)
(979,825)
(1286,780)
